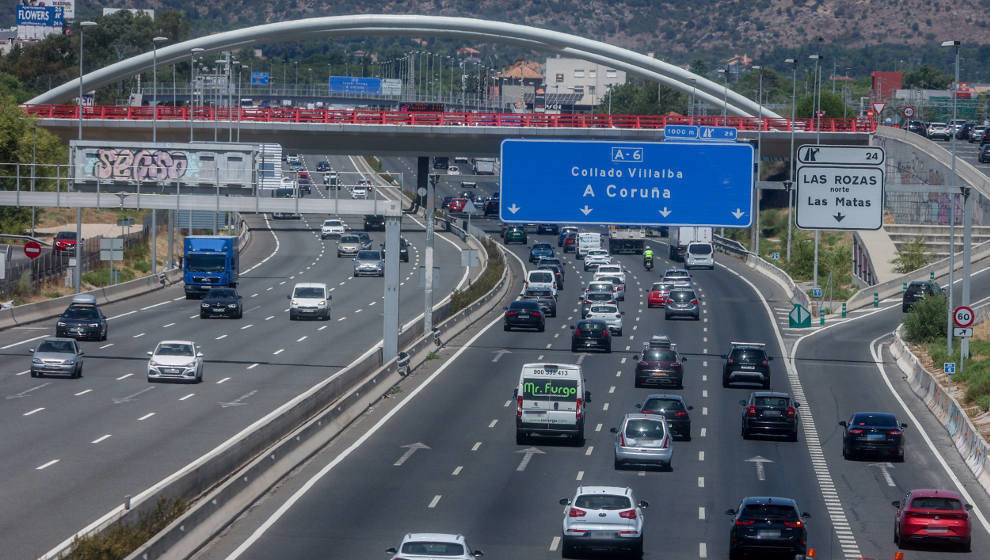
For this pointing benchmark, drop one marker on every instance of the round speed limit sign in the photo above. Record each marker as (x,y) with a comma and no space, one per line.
(963,316)
(908,112)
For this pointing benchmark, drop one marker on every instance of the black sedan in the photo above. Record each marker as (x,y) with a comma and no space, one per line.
(403,249)
(524,314)
(591,334)
(875,433)
(672,407)
(771,414)
(323,166)
(984,156)
(764,526)
(221,302)
(82,320)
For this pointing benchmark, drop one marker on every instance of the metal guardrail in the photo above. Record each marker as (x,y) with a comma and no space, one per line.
(732,247)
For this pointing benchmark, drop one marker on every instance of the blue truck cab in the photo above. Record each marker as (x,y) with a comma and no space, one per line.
(209,261)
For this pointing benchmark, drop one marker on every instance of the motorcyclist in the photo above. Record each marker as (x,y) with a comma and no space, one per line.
(648,256)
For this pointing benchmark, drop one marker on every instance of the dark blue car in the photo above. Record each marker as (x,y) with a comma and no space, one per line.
(540,250)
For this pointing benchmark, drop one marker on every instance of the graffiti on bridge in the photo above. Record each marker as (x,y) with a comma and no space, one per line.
(123,164)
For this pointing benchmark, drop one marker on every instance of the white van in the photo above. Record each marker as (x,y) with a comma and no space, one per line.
(541,280)
(587,241)
(309,299)
(699,255)
(551,401)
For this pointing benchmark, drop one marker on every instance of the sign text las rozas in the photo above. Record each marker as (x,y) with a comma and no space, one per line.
(634,183)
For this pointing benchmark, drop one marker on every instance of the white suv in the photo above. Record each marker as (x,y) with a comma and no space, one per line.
(699,255)
(603,517)
(309,300)
(332,228)
(434,545)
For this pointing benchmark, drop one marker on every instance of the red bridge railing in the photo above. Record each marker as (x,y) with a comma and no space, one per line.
(400,118)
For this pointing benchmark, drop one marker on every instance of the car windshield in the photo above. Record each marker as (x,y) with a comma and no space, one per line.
(769,511)
(660,356)
(174,349)
(433,548)
(539,293)
(662,405)
(57,347)
(527,305)
(681,295)
(205,263)
(600,296)
(82,312)
(66,235)
(541,277)
(937,503)
(604,309)
(590,325)
(308,292)
(609,268)
(648,429)
(673,273)
(600,287)
(218,293)
(771,401)
(350,239)
(886,420)
(746,355)
(332,223)
(701,249)
(615,280)
(602,501)
(368,255)
(540,246)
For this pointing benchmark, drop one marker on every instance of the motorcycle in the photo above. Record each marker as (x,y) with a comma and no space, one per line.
(648,263)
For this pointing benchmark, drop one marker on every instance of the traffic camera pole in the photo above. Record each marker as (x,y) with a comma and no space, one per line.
(423,181)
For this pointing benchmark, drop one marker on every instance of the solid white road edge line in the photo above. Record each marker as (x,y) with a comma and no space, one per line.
(268,523)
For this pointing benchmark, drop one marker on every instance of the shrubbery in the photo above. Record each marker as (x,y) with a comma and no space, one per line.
(496,264)
(926,322)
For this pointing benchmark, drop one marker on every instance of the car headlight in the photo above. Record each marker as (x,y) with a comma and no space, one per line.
(190,365)
(204,305)
(37,361)
(323,303)
(232,305)
(94,325)
(60,323)
(153,363)
(294,302)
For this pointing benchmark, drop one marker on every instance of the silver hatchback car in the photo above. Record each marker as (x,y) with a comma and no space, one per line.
(682,302)
(643,439)
(603,518)
(348,245)
(57,356)
(369,263)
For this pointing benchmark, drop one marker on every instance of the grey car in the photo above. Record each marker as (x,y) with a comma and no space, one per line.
(365,239)
(349,245)
(546,299)
(57,356)
(643,439)
(369,263)
(682,303)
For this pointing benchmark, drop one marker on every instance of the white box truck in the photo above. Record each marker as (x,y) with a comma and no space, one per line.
(588,241)
(681,236)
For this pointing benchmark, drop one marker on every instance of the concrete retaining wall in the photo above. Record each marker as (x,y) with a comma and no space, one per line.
(970,445)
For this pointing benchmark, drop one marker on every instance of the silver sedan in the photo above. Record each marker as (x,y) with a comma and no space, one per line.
(643,439)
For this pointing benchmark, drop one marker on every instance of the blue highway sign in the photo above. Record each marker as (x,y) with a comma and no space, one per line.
(259,78)
(717,134)
(348,84)
(680,132)
(626,183)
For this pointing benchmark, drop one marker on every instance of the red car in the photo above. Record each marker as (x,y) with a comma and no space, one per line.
(64,241)
(657,296)
(570,242)
(457,204)
(932,517)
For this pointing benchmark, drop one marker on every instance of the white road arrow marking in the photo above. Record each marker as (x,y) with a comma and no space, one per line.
(885,470)
(239,400)
(410,449)
(760,469)
(738,213)
(513,208)
(130,398)
(585,210)
(527,455)
(499,354)
(664,212)
(23,394)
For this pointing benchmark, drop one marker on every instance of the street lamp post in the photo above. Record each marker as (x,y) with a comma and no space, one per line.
(154,88)
(755,243)
(192,88)
(817,105)
(725,89)
(967,221)
(791,164)
(77,270)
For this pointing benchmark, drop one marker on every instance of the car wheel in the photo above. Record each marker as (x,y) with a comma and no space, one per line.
(618,333)
(568,550)
(106,332)
(608,349)
(520,438)
(34,374)
(743,432)
(637,549)
(897,536)
(725,381)
(680,384)
(735,555)
(899,458)
(666,316)
(78,373)
(637,383)
(202,315)
(905,308)
(573,348)
(793,436)
(766,384)
(845,453)
(966,546)
(506,328)
(542,328)
(292,316)
(578,439)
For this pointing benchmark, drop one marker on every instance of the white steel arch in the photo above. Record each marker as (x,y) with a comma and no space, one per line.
(336,26)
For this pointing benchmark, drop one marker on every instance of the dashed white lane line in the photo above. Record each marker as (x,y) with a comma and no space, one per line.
(611,389)
(146,416)
(704,393)
(589,450)
(554,544)
(434,501)
(580,475)
(605,406)
(701,455)
(221,337)
(269,288)
(106,346)
(507,404)
(125,376)
(341,319)
(701,512)
(476,446)
(46,465)
(254,295)
(193,316)
(372,303)
(30,412)
(189,396)
(139,335)
(25,372)
(701,482)
(279,351)
(246,327)
(302,338)
(457,470)
(703,432)
(704,411)
(321,328)
(224,380)
(167,325)
(269,318)
(252,366)
(493,422)
(357,310)
(702,550)
(179,298)
(83,392)
(104,437)
(282,283)
(598,428)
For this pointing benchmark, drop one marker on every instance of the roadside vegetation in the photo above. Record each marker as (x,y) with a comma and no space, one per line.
(123,538)
(496,264)
(911,256)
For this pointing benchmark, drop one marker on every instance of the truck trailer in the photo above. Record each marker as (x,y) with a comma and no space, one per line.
(680,237)
(626,239)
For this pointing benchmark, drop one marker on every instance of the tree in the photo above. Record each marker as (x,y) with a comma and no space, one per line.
(832,105)
(642,97)
(911,256)
(700,67)
(926,77)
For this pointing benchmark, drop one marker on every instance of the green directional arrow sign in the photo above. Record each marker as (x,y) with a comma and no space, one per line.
(799,317)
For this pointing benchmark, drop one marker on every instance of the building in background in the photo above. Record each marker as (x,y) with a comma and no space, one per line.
(517,82)
(589,81)
(7,39)
(885,84)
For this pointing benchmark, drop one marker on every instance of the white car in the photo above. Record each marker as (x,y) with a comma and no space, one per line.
(453,170)
(603,517)
(699,255)
(613,270)
(359,192)
(332,228)
(309,299)
(618,282)
(175,360)
(596,258)
(541,279)
(609,313)
(431,546)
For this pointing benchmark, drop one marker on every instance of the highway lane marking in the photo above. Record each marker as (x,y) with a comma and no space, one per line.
(622,361)
(221,337)
(125,376)
(548,344)
(23,342)
(611,389)
(492,425)
(30,412)
(131,312)
(476,446)
(357,310)
(167,325)
(701,455)
(618,373)
(179,298)
(104,437)
(589,450)
(138,335)
(147,307)
(302,338)
(703,432)
(252,366)
(254,294)
(269,288)
(270,317)
(83,392)
(701,512)
(580,475)
(580,357)
(146,416)
(246,327)
(224,380)
(540,357)
(106,346)
(507,403)
(704,377)
(193,316)
(279,351)
(321,328)
(189,396)
(282,283)
(372,303)
(702,550)
(434,501)
(704,411)
(605,406)
(598,428)
(25,372)
(46,465)
(457,470)
(704,393)
(555,542)
(701,482)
